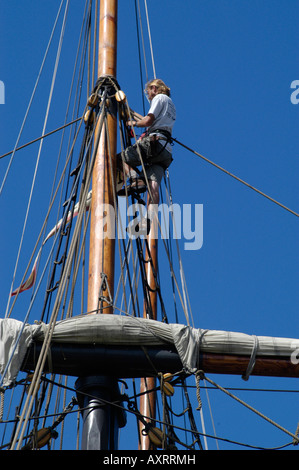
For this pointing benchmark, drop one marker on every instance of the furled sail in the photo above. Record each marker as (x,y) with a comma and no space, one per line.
(131,331)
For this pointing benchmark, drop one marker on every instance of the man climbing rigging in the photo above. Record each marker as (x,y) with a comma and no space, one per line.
(153,148)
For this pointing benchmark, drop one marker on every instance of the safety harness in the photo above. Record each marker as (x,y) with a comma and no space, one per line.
(154,139)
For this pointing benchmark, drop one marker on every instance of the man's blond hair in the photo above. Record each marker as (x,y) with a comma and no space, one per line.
(161,87)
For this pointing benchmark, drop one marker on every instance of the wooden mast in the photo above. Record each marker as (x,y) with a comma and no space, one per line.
(100,419)
(148,400)
(101,255)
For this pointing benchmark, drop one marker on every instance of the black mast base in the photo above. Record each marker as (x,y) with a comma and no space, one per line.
(101,418)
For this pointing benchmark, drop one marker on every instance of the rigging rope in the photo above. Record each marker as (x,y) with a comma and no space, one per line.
(182,274)
(139,52)
(134,410)
(44,126)
(46,218)
(68,159)
(32,95)
(237,178)
(150,39)
(165,420)
(183,295)
(196,153)
(200,375)
(67,162)
(41,137)
(47,341)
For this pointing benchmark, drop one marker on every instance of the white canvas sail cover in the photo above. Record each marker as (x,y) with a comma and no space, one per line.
(15,339)
(120,330)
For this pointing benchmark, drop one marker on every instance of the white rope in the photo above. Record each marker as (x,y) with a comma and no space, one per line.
(47,340)
(142,39)
(40,148)
(296,440)
(150,38)
(183,301)
(203,429)
(46,220)
(182,273)
(31,99)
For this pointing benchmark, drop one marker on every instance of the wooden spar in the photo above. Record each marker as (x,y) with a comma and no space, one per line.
(130,361)
(237,364)
(148,400)
(101,254)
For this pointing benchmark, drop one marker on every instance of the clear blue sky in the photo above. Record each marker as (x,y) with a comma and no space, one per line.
(230,65)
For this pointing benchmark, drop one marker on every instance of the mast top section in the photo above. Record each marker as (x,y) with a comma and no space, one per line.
(107,38)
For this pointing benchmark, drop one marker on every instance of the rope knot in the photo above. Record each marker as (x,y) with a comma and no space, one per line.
(199,375)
